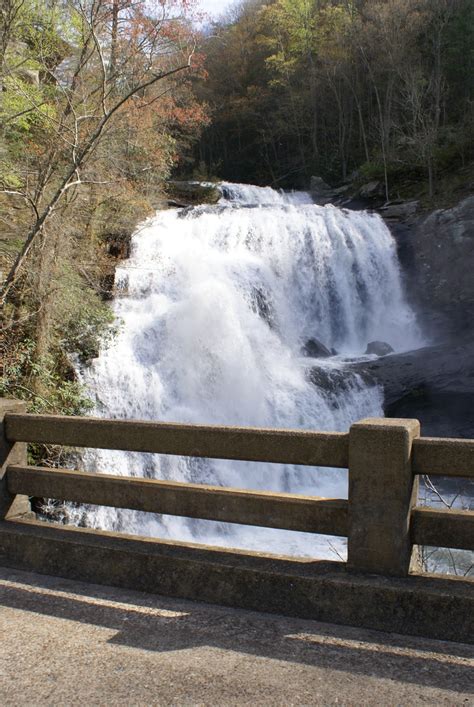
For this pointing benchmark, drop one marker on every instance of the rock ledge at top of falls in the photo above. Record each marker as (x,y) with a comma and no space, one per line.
(321,192)
(434,384)
(182,194)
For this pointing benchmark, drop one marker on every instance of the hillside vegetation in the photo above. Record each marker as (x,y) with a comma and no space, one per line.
(96,109)
(382,88)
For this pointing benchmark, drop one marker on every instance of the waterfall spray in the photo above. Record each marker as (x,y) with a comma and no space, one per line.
(216,304)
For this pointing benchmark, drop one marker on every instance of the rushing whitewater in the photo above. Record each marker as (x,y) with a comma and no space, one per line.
(216,304)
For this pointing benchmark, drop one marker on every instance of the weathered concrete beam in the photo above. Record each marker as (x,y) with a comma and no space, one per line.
(261,508)
(447,528)
(423,605)
(215,442)
(443,457)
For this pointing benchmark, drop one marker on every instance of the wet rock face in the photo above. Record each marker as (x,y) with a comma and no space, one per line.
(261,304)
(118,245)
(434,384)
(333,383)
(442,266)
(379,348)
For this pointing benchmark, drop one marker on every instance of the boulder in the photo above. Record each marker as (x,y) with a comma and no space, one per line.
(379,348)
(315,349)
(400,211)
(342,191)
(321,192)
(372,190)
(173,204)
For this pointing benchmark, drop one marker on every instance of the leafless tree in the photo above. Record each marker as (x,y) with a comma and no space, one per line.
(92,93)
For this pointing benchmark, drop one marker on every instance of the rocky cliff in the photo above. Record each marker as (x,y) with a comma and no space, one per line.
(434,385)
(437,254)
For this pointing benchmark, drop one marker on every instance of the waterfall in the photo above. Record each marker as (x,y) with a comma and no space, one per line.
(215,306)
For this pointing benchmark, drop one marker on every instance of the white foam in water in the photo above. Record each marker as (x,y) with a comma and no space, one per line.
(249,195)
(216,304)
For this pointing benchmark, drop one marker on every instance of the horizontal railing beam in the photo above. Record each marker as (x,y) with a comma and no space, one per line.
(284,511)
(443,457)
(243,444)
(448,528)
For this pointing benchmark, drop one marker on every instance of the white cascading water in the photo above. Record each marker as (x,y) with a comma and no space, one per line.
(216,305)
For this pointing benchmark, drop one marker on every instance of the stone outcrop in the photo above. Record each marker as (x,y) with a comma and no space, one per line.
(399,211)
(379,348)
(371,190)
(321,192)
(118,245)
(434,384)
(182,194)
(30,76)
(439,262)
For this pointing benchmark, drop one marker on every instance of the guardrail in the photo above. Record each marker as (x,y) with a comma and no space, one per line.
(381,518)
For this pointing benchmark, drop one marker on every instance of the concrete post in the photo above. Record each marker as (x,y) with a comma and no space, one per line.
(11,506)
(382,492)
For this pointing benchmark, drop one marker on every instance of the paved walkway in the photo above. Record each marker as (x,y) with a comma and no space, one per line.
(68,643)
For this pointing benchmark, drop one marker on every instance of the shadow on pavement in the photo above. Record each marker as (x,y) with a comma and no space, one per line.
(155,623)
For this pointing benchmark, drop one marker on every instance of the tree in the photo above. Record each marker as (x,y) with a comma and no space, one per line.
(92,89)
(331,86)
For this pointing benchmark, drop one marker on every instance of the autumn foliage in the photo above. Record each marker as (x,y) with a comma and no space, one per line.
(97,108)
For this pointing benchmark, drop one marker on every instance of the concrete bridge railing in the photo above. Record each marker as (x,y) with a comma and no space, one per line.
(380,586)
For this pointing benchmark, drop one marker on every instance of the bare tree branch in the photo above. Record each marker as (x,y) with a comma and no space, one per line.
(78,161)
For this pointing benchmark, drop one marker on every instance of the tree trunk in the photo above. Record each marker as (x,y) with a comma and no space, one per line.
(113,40)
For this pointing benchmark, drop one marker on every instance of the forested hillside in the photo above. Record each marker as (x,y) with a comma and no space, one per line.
(96,109)
(326,87)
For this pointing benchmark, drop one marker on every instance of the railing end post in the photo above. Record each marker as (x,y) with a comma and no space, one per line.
(382,493)
(11,453)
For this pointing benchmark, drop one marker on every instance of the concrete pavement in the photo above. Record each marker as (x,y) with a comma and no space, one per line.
(68,643)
